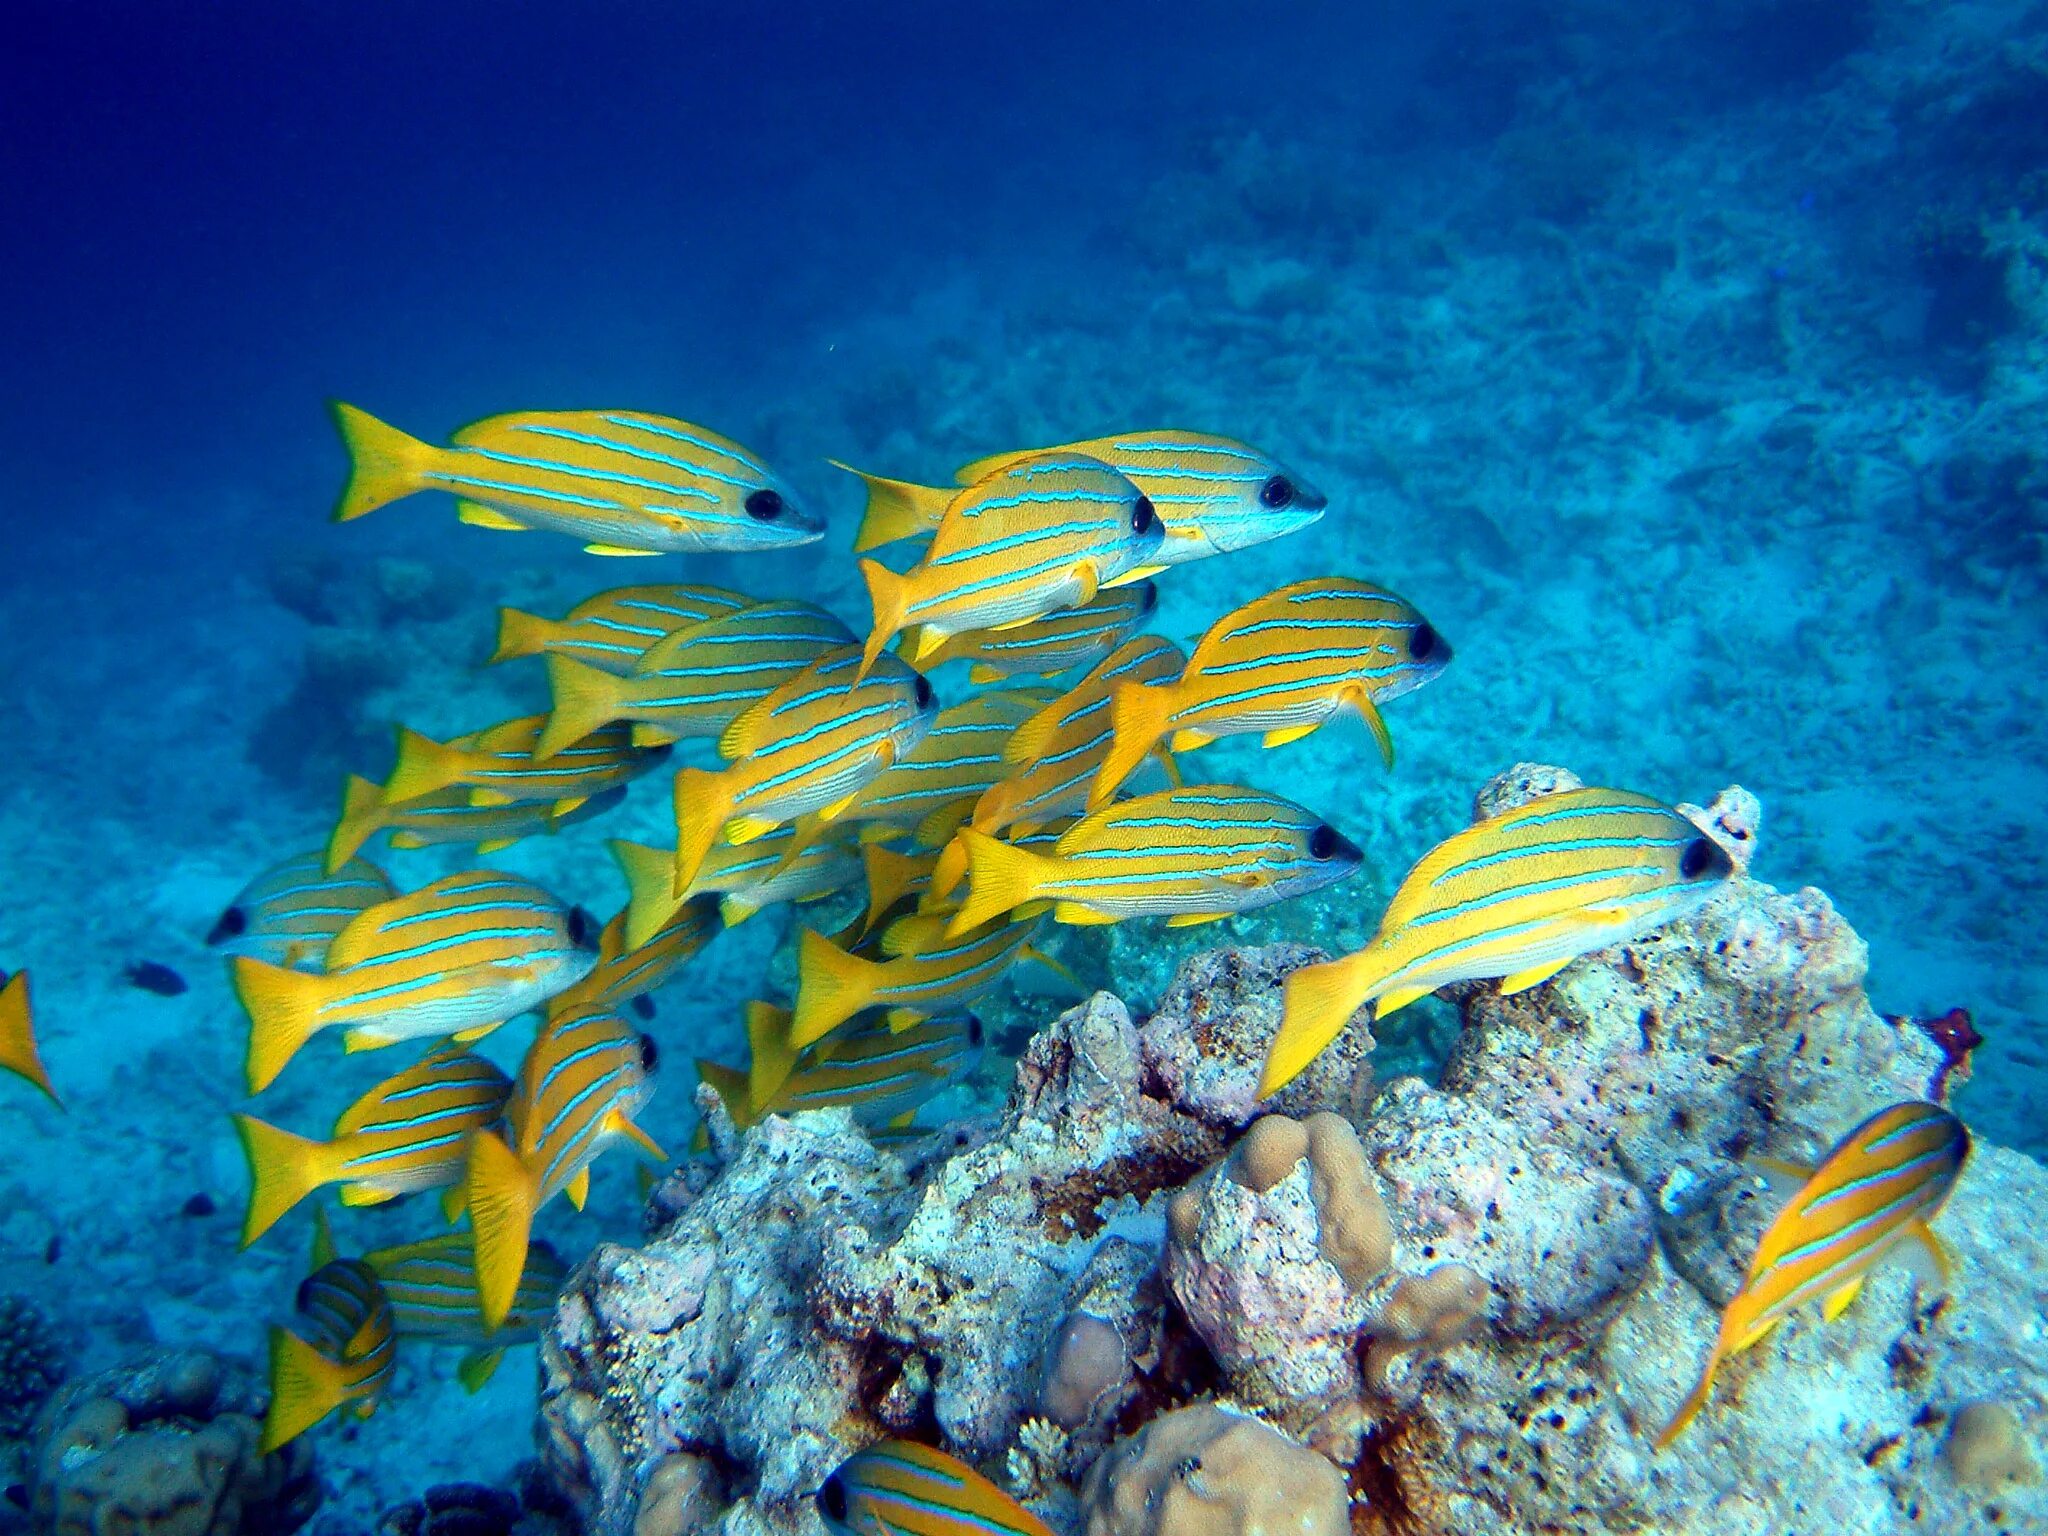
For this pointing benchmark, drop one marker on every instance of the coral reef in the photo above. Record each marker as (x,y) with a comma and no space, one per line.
(530,1507)
(1472,1302)
(166,1448)
(32,1364)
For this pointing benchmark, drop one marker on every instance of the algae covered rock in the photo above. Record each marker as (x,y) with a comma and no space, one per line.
(1205,1470)
(166,1448)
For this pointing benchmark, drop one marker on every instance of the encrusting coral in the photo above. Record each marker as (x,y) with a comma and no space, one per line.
(32,1363)
(1480,1300)
(1205,1470)
(166,1448)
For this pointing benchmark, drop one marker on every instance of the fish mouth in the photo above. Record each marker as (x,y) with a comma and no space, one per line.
(1244,532)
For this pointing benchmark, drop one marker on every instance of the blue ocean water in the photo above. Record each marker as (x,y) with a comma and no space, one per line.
(1688,372)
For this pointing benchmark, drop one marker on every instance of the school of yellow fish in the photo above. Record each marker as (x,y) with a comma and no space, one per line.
(1048,787)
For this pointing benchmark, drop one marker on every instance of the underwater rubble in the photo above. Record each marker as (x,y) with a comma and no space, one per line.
(1477,1301)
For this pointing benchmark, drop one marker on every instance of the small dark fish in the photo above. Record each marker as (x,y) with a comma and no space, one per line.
(643,1005)
(152,977)
(200,1204)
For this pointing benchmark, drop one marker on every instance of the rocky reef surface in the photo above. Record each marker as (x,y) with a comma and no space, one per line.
(1149,1303)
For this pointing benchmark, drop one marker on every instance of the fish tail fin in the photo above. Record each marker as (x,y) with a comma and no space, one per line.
(896,509)
(890,876)
(384,463)
(362,804)
(283,1170)
(703,805)
(521,634)
(585,700)
(951,868)
(730,1084)
(832,986)
(1138,713)
(18,1052)
(305,1387)
(503,1195)
(284,1013)
(424,765)
(889,594)
(1000,877)
(773,1057)
(650,888)
(1319,1002)
(1695,1400)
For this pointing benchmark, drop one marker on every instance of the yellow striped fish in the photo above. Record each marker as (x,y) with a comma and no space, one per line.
(695,682)
(931,789)
(614,629)
(290,913)
(811,745)
(1878,1187)
(1053,756)
(624,482)
(458,957)
(18,1051)
(431,1285)
(744,877)
(1059,642)
(880,1075)
(924,971)
(447,817)
(349,1360)
(1283,665)
(1518,896)
(584,1078)
(408,1133)
(901,1488)
(1037,535)
(1190,855)
(1214,494)
(626,970)
(497,765)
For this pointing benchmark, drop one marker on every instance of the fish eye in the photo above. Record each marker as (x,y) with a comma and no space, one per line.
(232,925)
(650,1054)
(582,928)
(1703,856)
(924,691)
(764,506)
(1324,841)
(1421,642)
(1277,492)
(1142,516)
(832,1500)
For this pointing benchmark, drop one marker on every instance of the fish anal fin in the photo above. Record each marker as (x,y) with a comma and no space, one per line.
(1287,735)
(1535,976)
(1187,740)
(578,1188)
(1194,919)
(1136,573)
(1080,915)
(476,1368)
(1396,998)
(747,829)
(618,551)
(479,516)
(1838,1300)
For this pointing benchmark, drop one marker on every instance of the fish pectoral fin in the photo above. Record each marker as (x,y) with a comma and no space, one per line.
(646,1143)
(1376,723)
(618,550)
(1838,1300)
(479,516)
(1081,916)
(1926,1258)
(746,829)
(1136,573)
(476,1368)
(578,1188)
(1397,998)
(1189,740)
(1195,919)
(1287,735)
(1090,583)
(1536,975)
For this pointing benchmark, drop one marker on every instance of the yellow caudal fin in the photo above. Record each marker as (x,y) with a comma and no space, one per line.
(889,594)
(999,877)
(384,464)
(521,634)
(773,1057)
(651,898)
(1318,1002)
(832,986)
(424,765)
(283,1170)
(305,1387)
(1695,1400)
(585,700)
(897,509)
(362,814)
(18,1052)
(477,1367)
(284,1013)
(703,802)
(1138,714)
(730,1083)
(503,1195)
(890,876)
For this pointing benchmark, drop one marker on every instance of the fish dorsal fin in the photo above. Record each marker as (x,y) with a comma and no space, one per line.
(988,464)
(747,728)
(1032,740)
(772,1057)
